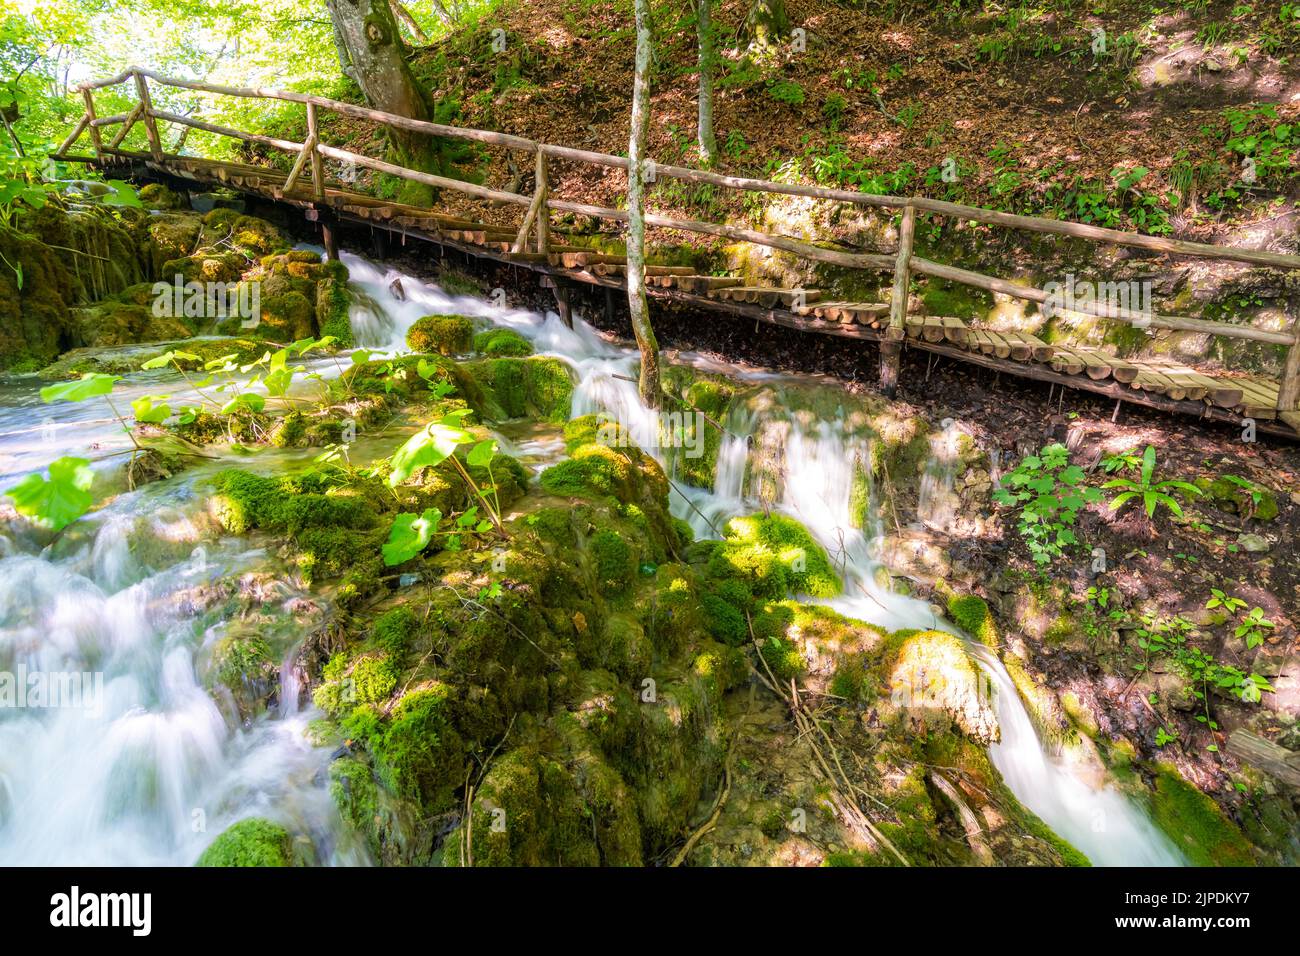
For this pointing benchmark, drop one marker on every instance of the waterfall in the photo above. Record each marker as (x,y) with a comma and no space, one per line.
(822,460)
(153,767)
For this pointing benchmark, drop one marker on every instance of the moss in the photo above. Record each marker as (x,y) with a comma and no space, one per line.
(614,562)
(548,388)
(441,335)
(333,307)
(252,842)
(971,613)
(283,318)
(774,554)
(783,656)
(419,755)
(502,343)
(1194,822)
(1237,499)
(394,630)
(158,196)
(353,789)
(289,431)
(593,470)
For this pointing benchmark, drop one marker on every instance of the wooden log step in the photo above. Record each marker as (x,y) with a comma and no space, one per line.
(1100,364)
(995,343)
(664,275)
(1292,419)
(766,296)
(1039,350)
(481,237)
(1149,379)
(928,327)
(588,257)
(863,313)
(954,330)
(700,285)
(507,246)
(1259,398)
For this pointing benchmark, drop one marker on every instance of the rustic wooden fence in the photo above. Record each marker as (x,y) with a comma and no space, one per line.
(309,164)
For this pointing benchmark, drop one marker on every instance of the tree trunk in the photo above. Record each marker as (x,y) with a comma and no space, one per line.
(637,305)
(403,15)
(767,25)
(374,46)
(704,29)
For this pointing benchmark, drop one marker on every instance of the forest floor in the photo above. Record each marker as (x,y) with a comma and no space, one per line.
(1039,112)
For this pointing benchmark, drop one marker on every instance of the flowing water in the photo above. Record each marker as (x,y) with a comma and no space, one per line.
(155,765)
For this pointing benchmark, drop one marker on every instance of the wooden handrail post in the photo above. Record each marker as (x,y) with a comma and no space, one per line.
(1288,392)
(543,210)
(317,164)
(891,346)
(150,123)
(95,138)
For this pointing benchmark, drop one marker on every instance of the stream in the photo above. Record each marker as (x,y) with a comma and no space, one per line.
(151,768)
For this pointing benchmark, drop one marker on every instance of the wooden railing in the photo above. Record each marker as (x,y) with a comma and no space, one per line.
(311,153)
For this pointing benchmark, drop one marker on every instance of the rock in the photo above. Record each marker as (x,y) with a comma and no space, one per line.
(1254,543)
(934,672)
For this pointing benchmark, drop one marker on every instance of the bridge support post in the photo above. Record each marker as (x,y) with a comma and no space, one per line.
(324,217)
(561,292)
(891,346)
(891,353)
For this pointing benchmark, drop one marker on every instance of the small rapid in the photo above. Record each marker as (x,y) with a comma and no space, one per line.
(143,590)
(824,462)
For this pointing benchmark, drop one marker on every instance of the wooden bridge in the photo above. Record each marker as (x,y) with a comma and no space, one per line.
(1163,384)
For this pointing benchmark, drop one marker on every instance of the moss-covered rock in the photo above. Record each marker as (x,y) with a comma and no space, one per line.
(502,343)
(441,335)
(1195,823)
(1239,496)
(932,675)
(252,842)
(775,555)
(971,613)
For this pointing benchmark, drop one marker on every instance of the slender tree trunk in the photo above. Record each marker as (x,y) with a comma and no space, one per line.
(369,35)
(767,25)
(637,305)
(704,28)
(403,15)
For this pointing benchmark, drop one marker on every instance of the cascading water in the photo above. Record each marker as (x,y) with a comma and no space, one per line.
(157,768)
(822,462)
(936,506)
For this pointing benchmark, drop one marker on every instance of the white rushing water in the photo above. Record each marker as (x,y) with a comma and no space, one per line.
(820,460)
(156,768)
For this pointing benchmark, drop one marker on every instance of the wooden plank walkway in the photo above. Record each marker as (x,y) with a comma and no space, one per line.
(1156,383)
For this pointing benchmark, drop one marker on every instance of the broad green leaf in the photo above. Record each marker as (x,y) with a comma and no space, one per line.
(90,385)
(59,501)
(429,446)
(410,535)
(147,411)
(162,361)
(481,454)
(247,400)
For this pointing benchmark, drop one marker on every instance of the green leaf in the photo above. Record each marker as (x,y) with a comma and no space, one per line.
(162,361)
(90,385)
(481,454)
(429,446)
(146,411)
(62,499)
(249,400)
(410,535)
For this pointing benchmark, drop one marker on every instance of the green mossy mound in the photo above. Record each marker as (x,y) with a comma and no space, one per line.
(441,335)
(971,613)
(775,555)
(703,403)
(514,387)
(1241,497)
(158,196)
(502,343)
(1195,824)
(252,842)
